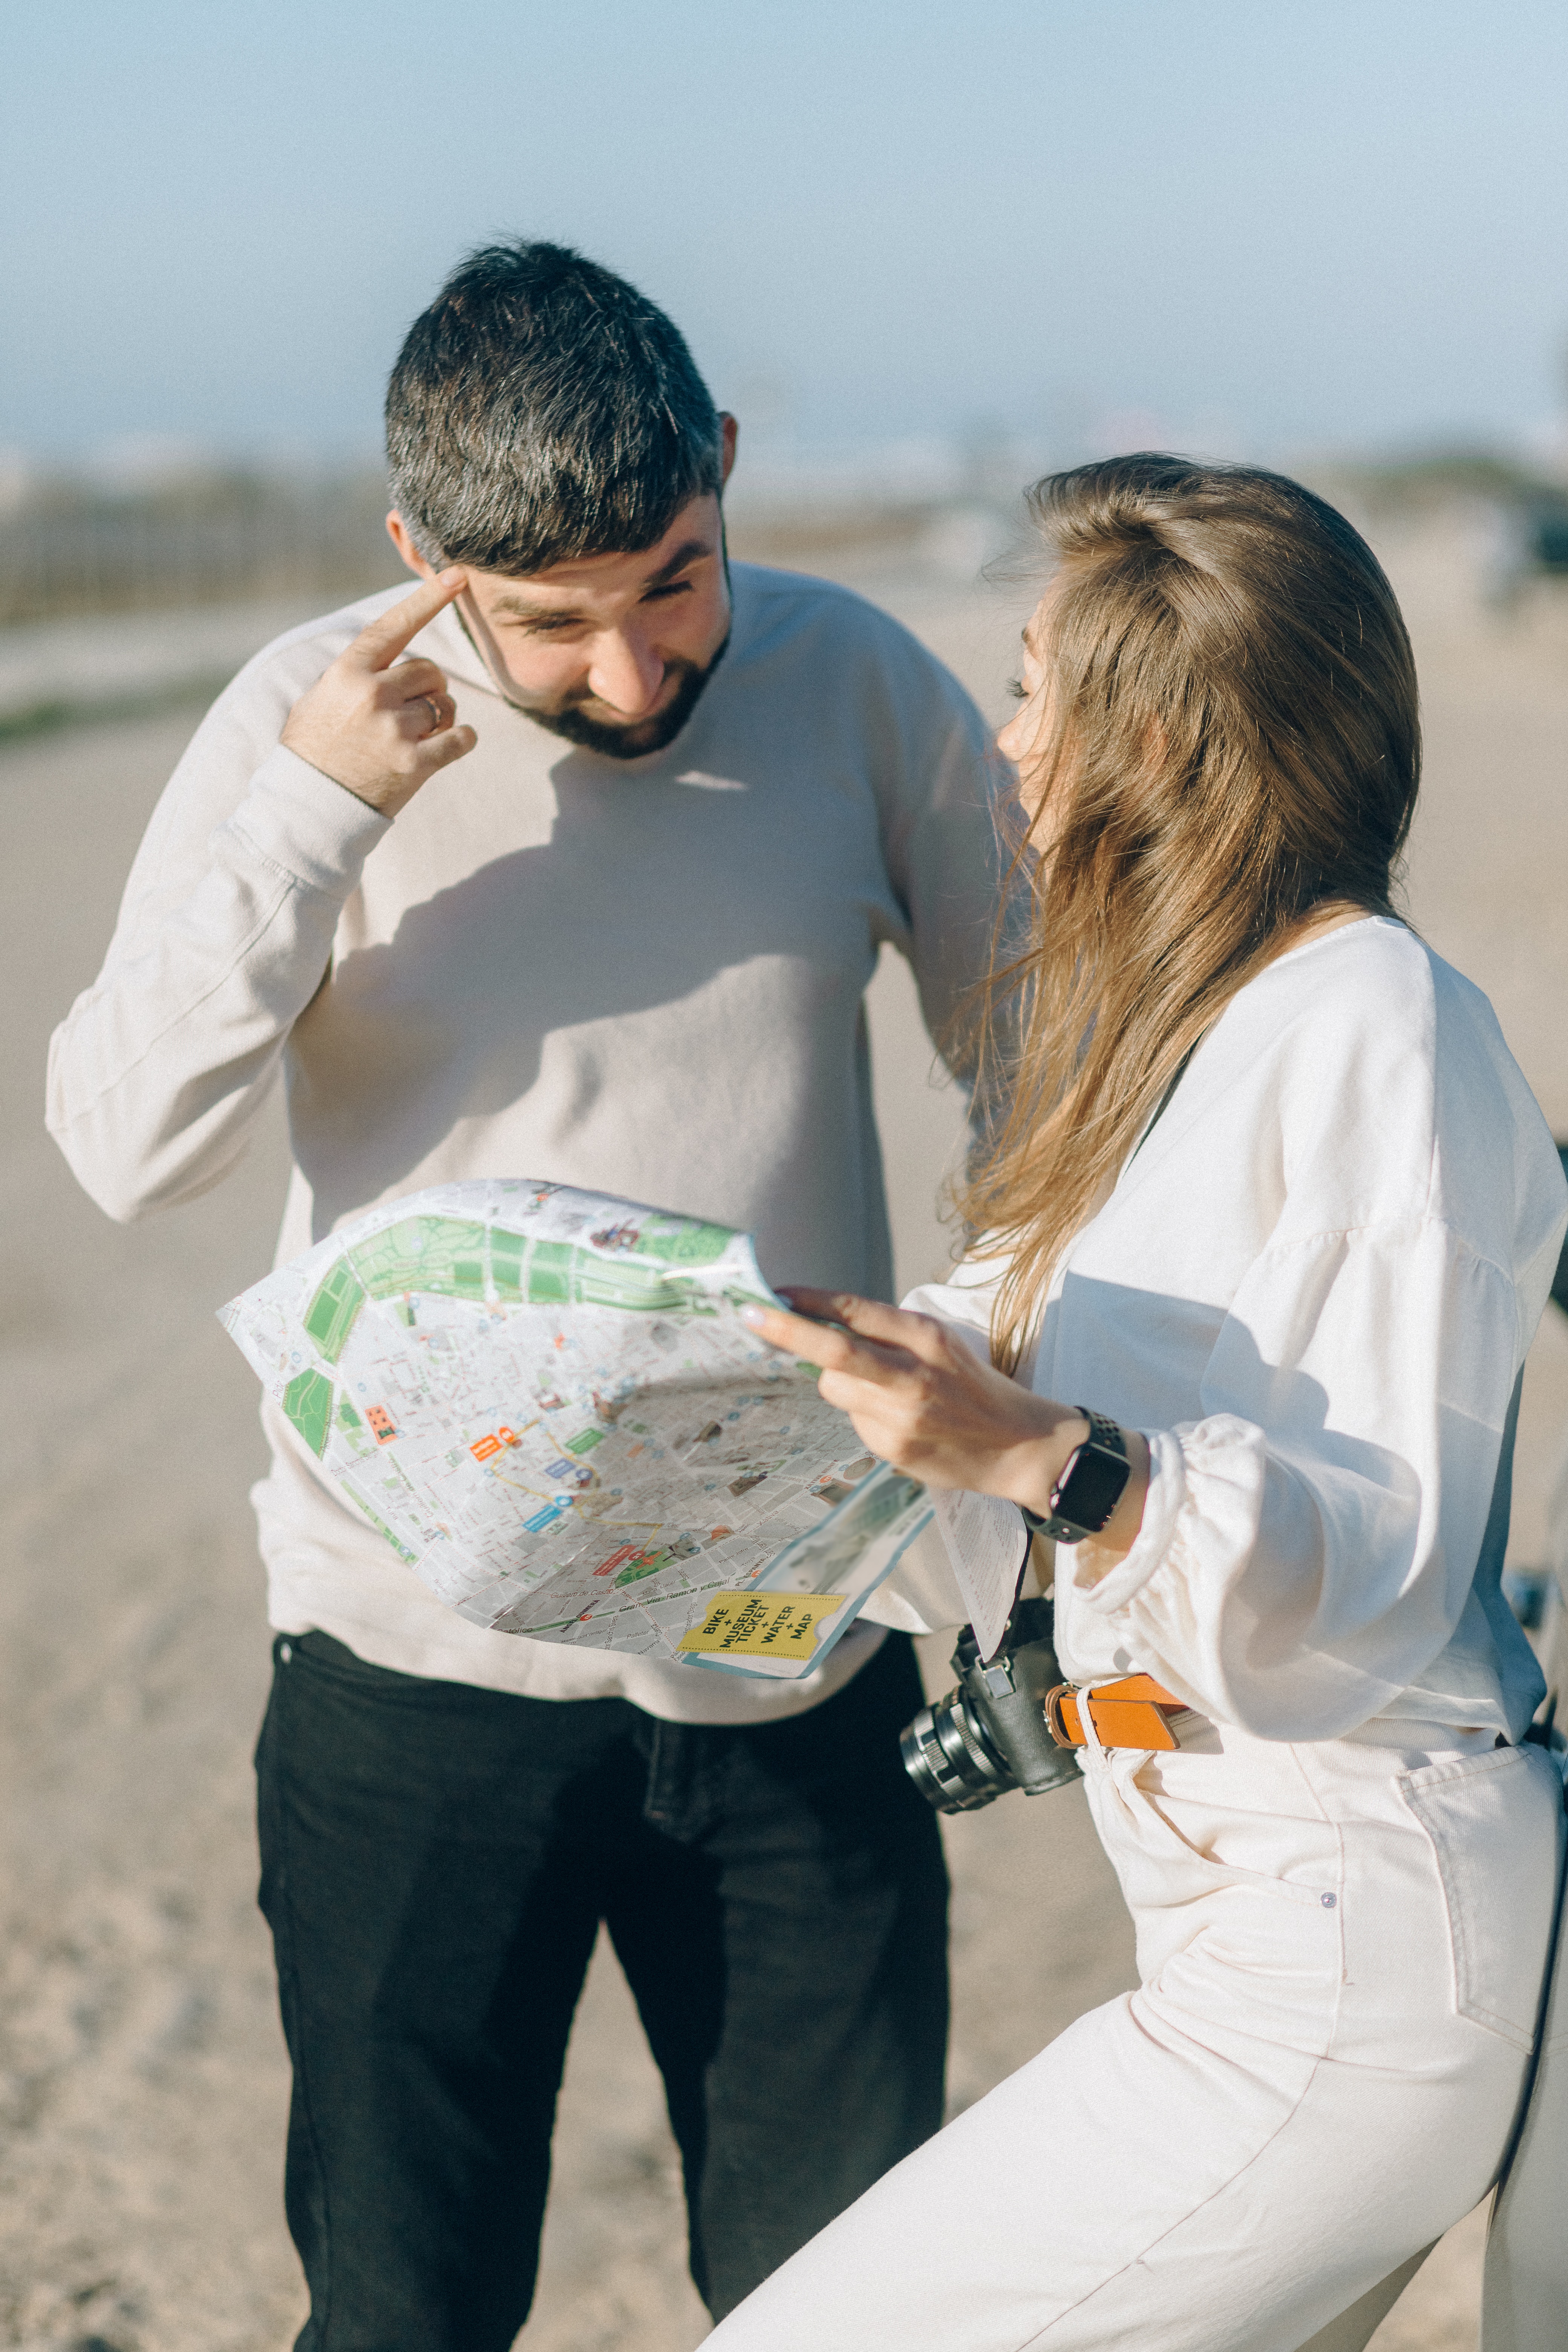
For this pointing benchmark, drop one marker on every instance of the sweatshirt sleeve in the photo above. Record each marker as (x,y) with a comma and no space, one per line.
(1311,1541)
(224,935)
(941,784)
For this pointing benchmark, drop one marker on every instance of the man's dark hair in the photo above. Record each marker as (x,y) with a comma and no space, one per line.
(542,409)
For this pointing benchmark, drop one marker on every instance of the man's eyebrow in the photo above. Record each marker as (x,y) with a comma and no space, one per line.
(524,608)
(687,553)
(519,606)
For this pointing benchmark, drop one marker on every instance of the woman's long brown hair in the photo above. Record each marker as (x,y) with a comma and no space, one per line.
(1232,740)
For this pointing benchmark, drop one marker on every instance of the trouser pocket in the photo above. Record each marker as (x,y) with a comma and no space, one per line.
(1492,1823)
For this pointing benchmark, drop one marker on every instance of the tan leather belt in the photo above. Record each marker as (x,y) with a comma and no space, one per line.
(1137,1712)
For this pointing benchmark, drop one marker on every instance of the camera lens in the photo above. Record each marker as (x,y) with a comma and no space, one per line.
(948,1756)
(991,1734)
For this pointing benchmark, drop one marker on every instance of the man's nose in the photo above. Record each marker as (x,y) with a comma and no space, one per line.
(626,673)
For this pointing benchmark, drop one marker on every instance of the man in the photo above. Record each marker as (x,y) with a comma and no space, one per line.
(572,864)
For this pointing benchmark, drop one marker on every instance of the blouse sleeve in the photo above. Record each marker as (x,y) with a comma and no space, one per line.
(1311,1541)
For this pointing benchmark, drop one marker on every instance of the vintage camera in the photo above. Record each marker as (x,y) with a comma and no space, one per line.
(989,1734)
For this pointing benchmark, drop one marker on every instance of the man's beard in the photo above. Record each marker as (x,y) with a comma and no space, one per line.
(635,739)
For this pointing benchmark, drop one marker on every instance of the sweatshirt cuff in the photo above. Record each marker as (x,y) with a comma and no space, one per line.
(299,820)
(1162,1507)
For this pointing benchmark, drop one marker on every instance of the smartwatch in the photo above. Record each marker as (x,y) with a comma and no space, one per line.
(1090,1487)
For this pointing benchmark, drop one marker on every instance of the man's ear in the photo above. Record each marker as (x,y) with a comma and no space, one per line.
(398,531)
(730,429)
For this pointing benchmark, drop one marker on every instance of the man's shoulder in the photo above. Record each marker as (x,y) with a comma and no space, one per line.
(779,612)
(771,599)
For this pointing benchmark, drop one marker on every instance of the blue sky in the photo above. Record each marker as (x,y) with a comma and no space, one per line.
(1271,225)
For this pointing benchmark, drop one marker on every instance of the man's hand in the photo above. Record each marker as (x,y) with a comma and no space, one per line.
(379,726)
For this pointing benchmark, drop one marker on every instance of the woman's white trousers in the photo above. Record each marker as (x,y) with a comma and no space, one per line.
(1340,1949)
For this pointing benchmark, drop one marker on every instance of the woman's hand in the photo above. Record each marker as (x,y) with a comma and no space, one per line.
(924,1401)
(379,726)
(921,1400)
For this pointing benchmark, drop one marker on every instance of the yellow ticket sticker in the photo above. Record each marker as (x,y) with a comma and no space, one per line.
(760,1624)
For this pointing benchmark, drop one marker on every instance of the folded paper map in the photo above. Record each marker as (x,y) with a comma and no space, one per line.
(547,1404)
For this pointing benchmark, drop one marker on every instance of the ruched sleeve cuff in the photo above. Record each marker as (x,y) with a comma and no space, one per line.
(307,826)
(1161,1508)
(1202,1515)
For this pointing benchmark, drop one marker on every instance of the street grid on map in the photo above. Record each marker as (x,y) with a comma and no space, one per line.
(546,1402)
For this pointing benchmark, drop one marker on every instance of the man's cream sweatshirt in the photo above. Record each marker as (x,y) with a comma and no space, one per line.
(643,976)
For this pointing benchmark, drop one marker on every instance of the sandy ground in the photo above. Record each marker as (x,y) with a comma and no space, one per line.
(141,2081)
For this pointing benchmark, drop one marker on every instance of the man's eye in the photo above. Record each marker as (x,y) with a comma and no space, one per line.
(670,588)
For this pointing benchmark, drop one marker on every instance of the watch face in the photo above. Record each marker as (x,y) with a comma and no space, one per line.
(1091,1488)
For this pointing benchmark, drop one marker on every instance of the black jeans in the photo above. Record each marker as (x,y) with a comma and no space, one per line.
(436,1862)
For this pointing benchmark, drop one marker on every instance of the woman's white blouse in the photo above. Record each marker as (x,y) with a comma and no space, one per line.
(1314,1288)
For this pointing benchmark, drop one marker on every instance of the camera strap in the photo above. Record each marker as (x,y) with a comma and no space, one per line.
(1136,1712)
(1163,1104)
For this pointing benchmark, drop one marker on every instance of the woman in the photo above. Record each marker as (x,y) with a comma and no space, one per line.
(1270,1198)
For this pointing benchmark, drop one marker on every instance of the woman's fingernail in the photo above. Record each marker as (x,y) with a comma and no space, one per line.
(754,1316)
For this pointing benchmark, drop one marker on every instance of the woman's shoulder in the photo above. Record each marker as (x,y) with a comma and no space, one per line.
(1371,995)
(1393,1077)
(1376,953)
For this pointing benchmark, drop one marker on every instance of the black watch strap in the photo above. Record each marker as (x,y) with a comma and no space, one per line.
(1090,1487)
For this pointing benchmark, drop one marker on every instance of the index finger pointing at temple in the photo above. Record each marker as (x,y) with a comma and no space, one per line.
(381,641)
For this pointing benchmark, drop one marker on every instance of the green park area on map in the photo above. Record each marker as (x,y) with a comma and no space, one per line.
(546,1402)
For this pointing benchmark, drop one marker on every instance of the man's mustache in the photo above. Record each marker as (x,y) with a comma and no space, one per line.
(678,667)
(631,739)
